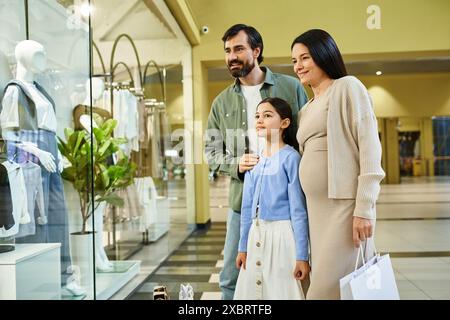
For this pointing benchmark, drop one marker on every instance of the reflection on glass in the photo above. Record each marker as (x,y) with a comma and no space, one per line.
(65,129)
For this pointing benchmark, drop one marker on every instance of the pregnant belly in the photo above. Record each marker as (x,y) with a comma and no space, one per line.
(313,173)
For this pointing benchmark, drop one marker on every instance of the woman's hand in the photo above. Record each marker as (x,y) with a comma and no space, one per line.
(241,260)
(301,269)
(362,230)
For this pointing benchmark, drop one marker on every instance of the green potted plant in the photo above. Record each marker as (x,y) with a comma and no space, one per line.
(84,153)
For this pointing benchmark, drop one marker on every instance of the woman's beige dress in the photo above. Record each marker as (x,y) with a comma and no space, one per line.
(333,254)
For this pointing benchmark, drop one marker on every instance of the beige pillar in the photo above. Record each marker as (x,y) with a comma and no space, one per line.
(391,157)
(382,134)
(201,112)
(426,146)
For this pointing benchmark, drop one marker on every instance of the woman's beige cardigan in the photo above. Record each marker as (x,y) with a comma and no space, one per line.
(354,149)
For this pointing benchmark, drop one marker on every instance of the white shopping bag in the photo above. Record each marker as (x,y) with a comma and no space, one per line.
(374,280)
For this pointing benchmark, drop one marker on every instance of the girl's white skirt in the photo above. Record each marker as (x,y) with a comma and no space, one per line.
(269,273)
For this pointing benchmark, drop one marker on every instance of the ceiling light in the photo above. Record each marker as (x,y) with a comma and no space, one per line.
(86,10)
(378,73)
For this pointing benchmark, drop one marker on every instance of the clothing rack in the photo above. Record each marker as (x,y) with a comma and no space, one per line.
(139,92)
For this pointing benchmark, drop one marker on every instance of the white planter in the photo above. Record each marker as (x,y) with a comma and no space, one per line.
(83,260)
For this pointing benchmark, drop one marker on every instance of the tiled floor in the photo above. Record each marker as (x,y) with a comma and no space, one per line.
(153,254)
(194,262)
(413,226)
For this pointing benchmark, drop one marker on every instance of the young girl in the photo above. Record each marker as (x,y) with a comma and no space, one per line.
(273,247)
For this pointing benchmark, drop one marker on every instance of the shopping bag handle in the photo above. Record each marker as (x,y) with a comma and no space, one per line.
(360,252)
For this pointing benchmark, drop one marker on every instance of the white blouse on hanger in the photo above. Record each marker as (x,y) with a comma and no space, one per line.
(125,111)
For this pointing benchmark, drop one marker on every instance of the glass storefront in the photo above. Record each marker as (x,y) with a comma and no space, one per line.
(90,174)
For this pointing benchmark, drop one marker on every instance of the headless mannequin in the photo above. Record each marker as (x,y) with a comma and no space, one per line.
(98,86)
(81,113)
(31,61)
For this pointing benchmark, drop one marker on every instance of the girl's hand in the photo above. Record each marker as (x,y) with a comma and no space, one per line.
(247,162)
(241,260)
(301,269)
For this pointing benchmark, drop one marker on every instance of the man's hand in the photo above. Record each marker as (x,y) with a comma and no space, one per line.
(247,162)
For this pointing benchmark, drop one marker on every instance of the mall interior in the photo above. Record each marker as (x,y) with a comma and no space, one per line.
(132,82)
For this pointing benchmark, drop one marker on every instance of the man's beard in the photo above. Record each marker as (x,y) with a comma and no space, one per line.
(240,73)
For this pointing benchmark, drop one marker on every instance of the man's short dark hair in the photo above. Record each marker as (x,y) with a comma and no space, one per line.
(254,38)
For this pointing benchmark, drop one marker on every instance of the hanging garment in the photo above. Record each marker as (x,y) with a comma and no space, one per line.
(142,157)
(147,198)
(151,154)
(125,111)
(35,198)
(143,133)
(116,110)
(132,209)
(129,103)
(18,189)
(166,143)
(155,160)
(118,114)
(6,208)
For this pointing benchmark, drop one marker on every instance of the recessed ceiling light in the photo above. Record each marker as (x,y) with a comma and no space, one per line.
(378,73)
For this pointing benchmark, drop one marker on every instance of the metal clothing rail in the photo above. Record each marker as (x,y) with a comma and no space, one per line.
(109,76)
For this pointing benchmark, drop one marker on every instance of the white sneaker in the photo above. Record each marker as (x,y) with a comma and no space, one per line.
(186,292)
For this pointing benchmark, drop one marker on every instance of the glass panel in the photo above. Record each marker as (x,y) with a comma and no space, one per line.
(145,94)
(51,68)
(91,150)
(12,31)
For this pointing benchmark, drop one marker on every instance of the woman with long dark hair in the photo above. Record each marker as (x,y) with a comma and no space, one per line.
(340,171)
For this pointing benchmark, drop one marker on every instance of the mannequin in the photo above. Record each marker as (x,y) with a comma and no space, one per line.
(81,113)
(83,119)
(28,123)
(31,60)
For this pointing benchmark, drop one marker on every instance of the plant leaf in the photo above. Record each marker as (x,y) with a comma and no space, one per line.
(68,132)
(104,147)
(113,199)
(99,135)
